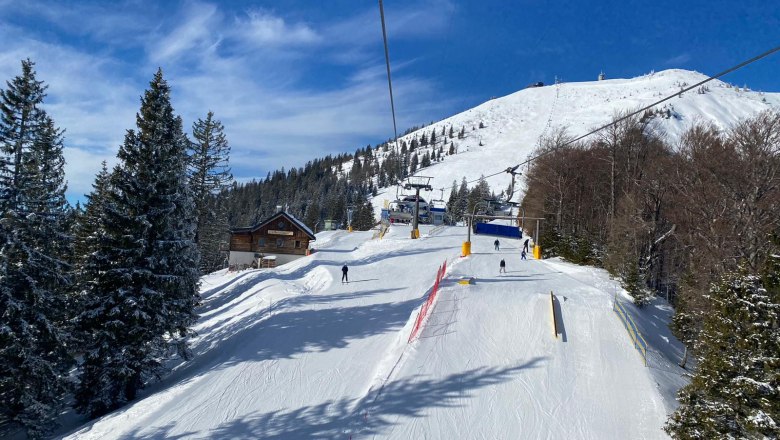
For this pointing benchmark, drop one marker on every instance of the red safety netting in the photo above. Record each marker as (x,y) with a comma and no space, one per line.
(428,302)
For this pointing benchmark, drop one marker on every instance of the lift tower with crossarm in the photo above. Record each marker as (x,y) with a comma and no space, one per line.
(417,183)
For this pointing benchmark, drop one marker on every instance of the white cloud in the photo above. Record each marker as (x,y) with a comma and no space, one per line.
(678,60)
(197,30)
(249,68)
(264,28)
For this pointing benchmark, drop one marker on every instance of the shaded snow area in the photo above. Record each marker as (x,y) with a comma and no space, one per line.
(292,353)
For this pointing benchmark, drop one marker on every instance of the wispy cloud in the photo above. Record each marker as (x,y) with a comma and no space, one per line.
(263,28)
(678,60)
(258,70)
(197,30)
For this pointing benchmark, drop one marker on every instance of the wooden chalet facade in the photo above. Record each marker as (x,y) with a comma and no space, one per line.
(277,240)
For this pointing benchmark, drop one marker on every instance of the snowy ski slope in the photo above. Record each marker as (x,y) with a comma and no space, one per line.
(292,353)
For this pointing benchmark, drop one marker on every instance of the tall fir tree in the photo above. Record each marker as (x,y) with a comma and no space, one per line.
(426,160)
(209,177)
(87,224)
(88,237)
(735,392)
(142,284)
(463,198)
(34,358)
(452,202)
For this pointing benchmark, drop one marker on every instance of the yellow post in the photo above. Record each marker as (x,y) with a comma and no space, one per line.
(349,228)
(466,249)
(537,252)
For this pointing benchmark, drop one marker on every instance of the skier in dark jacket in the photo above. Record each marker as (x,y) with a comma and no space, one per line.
(344,271)
(495,244)
(525,244)
(502,266)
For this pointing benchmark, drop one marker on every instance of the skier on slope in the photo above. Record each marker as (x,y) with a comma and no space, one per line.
(344,271)
(495,244)
(502,266)
(525,244)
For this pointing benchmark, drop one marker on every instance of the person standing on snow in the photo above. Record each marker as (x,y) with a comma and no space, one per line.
(502,266)
(522,255)
(495,244)
(525,244)
(344,271)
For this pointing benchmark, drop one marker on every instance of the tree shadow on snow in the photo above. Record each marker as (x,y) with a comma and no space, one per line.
(288,332)
(376,415)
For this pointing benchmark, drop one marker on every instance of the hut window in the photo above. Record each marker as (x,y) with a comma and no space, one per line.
(279,242)
(297,244)
(261,242)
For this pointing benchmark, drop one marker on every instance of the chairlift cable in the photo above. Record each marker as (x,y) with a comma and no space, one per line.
(632,114)
(708,79)
(389,81)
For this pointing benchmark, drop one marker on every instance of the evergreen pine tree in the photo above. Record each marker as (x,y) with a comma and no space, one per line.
(413,164)
(363,217)
(463,199)
(209,176)
(34,248)
(452,202)
(89,219)
(141,282)
(426,160)
(312,216)
(479,193)
(736,391)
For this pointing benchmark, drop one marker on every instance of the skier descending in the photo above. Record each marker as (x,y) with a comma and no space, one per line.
(502,266)
(344,271)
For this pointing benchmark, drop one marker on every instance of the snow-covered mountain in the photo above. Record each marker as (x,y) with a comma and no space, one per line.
(515,123)
(291,353)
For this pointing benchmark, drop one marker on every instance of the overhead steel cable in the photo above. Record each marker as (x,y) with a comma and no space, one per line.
(619,120)
(389,81)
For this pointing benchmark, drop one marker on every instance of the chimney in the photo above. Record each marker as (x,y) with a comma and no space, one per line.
(278,208)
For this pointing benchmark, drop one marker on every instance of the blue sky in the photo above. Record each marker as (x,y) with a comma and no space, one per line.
(299,79)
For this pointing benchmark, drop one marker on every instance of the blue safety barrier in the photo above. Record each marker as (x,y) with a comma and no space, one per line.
(500,230)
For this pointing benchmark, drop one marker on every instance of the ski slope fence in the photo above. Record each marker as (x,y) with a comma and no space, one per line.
(636,337)
(428,302)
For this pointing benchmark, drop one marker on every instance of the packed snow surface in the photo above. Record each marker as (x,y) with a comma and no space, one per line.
(294,353)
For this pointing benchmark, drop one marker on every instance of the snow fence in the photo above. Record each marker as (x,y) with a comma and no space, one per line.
(428,302)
